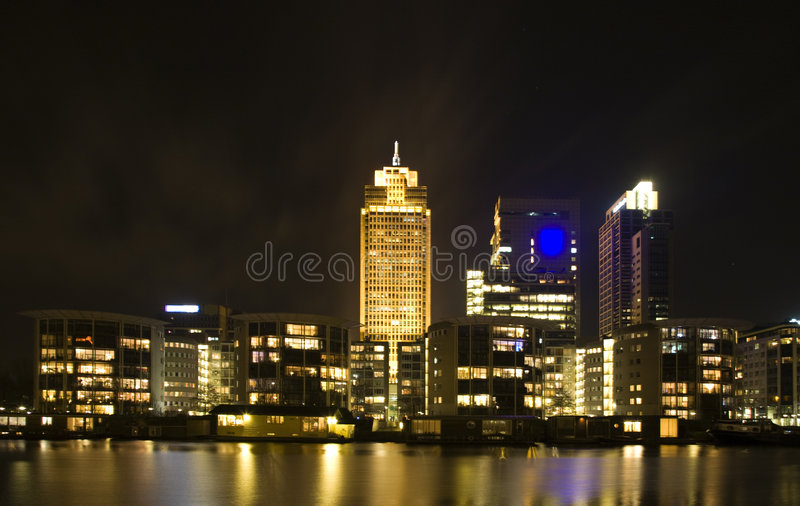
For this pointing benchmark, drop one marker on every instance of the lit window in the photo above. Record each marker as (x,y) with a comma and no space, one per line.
(479,372)
(480,400)
(294,329)
(230,420)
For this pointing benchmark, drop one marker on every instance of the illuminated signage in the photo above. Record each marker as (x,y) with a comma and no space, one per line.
(620,204)
(181,308)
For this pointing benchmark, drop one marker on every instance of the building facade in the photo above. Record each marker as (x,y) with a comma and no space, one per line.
(369,378)
(97,362)
(485,365)
(211,326)
(767,373)
(589,381)
(674,367)
(395,290)
(559,376)
(635,260)
(532,270)
(293,359)
(180,375)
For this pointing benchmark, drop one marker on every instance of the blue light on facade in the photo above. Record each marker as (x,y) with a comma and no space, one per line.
(551,241)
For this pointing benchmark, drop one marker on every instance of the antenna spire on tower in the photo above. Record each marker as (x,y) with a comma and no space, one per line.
(396,157)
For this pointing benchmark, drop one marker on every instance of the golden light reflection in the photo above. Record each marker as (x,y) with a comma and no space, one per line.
(245,490)
(633,452)
(668,451)
(632,474)
(55,472)
(330,473)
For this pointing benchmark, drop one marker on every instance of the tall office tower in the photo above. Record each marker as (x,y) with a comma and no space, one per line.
(395,296)
(635,260)
(533,272)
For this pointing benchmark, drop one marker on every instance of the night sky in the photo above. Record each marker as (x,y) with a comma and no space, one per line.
(147,154)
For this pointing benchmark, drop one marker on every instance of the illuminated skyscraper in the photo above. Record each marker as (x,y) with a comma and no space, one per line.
(533,269)
(395,295)
(635,260)
(533,272)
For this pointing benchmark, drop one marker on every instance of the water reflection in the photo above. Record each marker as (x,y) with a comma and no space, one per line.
(135,472)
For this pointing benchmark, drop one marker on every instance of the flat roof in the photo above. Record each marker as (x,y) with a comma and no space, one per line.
(82,314)
(729,323)
(252,409)
(297,317)
(763,330)
(497,320)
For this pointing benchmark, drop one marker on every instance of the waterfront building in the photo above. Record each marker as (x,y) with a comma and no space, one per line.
(395,290)
(369,378)
(293,359)
(485,365)
(635,248)
(673,367)
(210,325)
(283,422)
(559,376)
(767,373)
(589,380)
(411,378)
(97,362)
(180,375)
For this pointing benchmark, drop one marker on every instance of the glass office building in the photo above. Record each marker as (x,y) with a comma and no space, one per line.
(97,362)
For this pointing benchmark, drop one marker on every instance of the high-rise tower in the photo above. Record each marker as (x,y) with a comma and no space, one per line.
(533,269)
(533,272)
(635,260)
(395,296)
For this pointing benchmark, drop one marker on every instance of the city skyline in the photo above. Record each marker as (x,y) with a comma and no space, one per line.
(137,182)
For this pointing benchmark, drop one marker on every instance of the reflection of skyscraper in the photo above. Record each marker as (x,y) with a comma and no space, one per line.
(395,274)
(635,260)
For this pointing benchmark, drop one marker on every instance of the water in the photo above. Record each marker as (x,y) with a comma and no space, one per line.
(146,472)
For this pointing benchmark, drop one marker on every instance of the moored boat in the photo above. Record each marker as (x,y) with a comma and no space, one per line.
(754,432)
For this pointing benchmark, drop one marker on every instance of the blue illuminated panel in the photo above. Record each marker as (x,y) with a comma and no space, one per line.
(551,241)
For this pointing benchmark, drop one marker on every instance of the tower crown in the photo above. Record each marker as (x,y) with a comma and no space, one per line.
(396,157)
